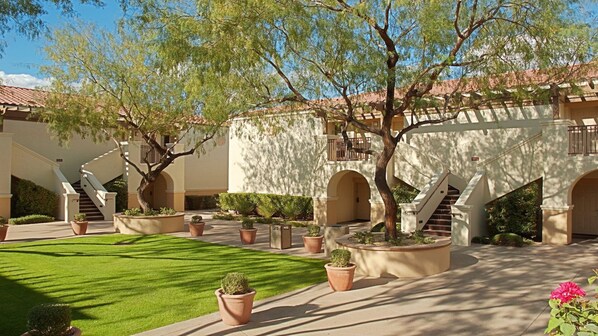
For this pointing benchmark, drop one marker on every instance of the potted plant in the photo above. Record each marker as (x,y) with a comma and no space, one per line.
(51,319)
(3,228)
(313,239)
(340,270)
(196,226)
(247,231)
(79,224)
(235,299)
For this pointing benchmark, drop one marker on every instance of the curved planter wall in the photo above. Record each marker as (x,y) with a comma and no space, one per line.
(149,224)
(399,261)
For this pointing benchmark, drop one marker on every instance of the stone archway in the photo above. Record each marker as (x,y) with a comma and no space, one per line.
(348,197)
(584,198)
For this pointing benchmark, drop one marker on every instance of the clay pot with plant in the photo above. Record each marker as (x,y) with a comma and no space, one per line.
(340,270)
(50,319)
(313,239)
(247,232)
(235,299)
(196,226)
(79,224)
(3,228)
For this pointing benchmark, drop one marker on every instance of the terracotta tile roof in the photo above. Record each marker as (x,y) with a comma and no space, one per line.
(16,96)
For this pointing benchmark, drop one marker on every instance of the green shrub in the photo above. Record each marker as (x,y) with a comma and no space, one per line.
(243,203)
(296,224)
(508,239)
(481,240)
(31,219)
(247,223)
(167,211)
(264,220)
(119,186)
(223,216)
(196,219)
(516,212)
(266,205)
(194,202)
(3,221)
(340,258)
(133,212)
(226,202)
(49,320)
(403,193)
(313,230)
(235,284)
(363,237)
(28,198)
(295,207)
(151,212)
(80,217)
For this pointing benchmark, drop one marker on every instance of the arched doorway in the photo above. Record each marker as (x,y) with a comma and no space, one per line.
(348,198)
(584,198)
(158,195)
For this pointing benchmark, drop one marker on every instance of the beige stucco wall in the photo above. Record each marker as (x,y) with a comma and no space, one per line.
(5,171)
(35,136)
(208,173)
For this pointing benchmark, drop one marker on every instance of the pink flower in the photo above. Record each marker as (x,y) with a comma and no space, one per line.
(567,291)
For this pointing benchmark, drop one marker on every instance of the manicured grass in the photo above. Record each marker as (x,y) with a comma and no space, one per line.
(120,285)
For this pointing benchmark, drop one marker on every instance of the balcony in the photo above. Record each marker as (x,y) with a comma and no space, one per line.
(338,151)
(583,140)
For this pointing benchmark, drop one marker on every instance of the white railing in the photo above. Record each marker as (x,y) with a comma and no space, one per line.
(103,200)
(414,215)
(69,198)
(469,219)
(106,167)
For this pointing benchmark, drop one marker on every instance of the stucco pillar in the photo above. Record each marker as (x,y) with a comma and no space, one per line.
(557,225)
(5,172)
(376,212)
(177,200)
(320,210)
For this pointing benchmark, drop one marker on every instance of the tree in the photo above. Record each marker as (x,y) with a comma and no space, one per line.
(25,15)
(114,87)
(325,54)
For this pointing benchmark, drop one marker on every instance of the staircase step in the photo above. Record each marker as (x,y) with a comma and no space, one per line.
(437,227)
(438,233)
(440,221)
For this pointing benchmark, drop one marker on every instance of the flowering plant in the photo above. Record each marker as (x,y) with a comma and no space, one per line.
(571,312)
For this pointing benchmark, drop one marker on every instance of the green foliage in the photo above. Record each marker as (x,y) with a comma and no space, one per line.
(266,205)
(313,230)
(119,186)
(3,221)
(133,212)
(264,220)
(247,223)
(516,212)
(243,203)
(576,317)
(151,212)
(403,193)
(481,240)
(340,258)
(363,237)
(31,219)
(29,198)
(80,217)
(223,216)
(49,320)
(294,207)
(380,227)
(508,239)
(235,284)
(201,202)
(167,211)
(196,219)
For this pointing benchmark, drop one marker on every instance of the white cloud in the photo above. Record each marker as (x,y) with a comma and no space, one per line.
(24,80)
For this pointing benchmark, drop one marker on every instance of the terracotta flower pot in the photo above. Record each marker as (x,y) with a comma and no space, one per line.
(79,228)
(3,232)
(340,278)
(196,229)
(313,244)
(74,331)
(247,236)
(235,309)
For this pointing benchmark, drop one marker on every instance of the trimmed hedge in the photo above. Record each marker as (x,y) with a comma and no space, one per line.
(31,219)
(201,202)
(119,186)
(268,205)
(29,198)
(517,212)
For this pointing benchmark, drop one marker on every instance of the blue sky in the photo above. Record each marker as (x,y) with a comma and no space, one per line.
(22,57)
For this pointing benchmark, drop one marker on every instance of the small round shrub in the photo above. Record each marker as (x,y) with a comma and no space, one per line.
(508,239)
(313,230)
(133,212)
(247,223)
(49,320)
(363,237)
(235,283)
(340,258)
(80,217)
(196,219)
(167,211)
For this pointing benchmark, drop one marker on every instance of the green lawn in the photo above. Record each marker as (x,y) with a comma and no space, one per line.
(120,285)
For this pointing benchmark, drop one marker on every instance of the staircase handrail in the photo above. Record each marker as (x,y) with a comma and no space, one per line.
(105,170)
(418,212)
(103,199)
(69,198)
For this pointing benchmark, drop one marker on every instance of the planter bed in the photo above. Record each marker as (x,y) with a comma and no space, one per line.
(146,225)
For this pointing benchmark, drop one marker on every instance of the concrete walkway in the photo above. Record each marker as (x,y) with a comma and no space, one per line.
(489,290)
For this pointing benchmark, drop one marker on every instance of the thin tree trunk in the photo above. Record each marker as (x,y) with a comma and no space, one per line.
(390,205)
(143,203)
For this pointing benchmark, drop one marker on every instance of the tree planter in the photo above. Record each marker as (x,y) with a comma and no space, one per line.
(235,309)
(340,278)
(247,236)
(3,232)
(79,228)
(146,225)
(73,331)
(313,244)
(196,229)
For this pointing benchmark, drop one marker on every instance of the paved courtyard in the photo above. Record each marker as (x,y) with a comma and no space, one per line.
(489,290)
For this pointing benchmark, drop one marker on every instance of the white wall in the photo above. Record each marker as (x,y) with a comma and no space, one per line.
(35,136)
(208,173)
